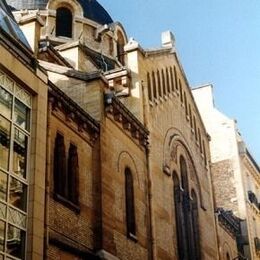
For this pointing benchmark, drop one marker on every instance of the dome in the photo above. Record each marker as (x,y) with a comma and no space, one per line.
(91,8)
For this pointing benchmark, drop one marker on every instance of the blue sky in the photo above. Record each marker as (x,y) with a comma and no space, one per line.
(218,42)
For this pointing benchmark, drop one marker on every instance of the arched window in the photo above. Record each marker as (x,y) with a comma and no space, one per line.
(66,173)
(186,216)
(120,48)
(73,174)
(129,202)
(59,167)
(64,22)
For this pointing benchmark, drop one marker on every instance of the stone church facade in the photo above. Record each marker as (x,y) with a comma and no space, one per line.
(118,159)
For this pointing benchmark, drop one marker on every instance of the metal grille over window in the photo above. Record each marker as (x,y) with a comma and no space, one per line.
(15,116)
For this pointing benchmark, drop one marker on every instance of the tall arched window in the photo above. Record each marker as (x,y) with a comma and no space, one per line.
(64,22)
(129,202)
(186,216)
(59,168)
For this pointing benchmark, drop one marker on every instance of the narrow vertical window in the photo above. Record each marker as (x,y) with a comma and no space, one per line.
(59,166)
(129,201)
(175,78)
(159,83)
(190,115)
(172,79)
(195,128)
(168,81)
(199,137)
(181,93)
(154,86)
(185,104)
(73,174)
(163,83)
(149,87)
(64,22)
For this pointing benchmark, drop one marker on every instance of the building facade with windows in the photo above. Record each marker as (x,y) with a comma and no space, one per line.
(235,173)
(123,162)
(23,104)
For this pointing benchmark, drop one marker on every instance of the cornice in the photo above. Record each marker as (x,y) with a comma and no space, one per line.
(59,100)
(129,123)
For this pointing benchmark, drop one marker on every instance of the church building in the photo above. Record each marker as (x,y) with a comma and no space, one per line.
(103,151)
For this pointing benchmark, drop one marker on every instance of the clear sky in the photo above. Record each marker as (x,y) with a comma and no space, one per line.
(218,42)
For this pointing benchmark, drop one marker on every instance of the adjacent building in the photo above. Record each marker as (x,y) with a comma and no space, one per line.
(235,173)
(23,109)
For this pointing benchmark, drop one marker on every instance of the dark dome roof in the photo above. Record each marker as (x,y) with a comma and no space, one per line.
(91,8)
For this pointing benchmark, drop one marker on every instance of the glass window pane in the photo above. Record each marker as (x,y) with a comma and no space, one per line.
(18,194)
(3,185)
(4,143)
(2,210)
(5,103)
(15,241)
(19,153)
(22,115)
(16,217)
(2,235)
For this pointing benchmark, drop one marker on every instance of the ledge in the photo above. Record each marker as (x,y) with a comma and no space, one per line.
(67,203)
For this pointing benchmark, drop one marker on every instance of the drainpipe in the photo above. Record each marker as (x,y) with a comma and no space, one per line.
(151,244)
(152,252)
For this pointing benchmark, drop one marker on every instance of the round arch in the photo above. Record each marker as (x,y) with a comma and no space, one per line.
(72,5)
(174,147)
(125,160)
